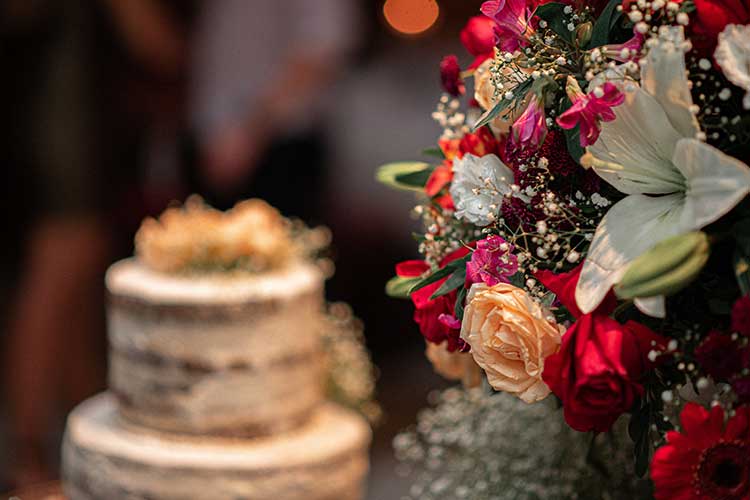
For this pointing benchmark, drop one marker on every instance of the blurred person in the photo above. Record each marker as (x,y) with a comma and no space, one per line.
(60,138)
(260,73)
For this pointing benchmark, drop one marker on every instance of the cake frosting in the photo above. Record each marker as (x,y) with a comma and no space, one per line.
(217,370)
(228,354)
(325,459)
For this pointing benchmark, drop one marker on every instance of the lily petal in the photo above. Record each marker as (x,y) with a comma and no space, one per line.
(716,182)
(664,76)
(631,227)
(634,152)
(652,306)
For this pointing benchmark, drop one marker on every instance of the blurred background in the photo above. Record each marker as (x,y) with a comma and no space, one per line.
(112,109)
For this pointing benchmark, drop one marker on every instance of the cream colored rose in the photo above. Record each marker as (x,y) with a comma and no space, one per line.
(487,97)
(510,337)
(454,365)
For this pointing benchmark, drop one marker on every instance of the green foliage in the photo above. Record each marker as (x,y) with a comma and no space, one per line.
(604,25)
(435,152)
(456,279)
(410,176)
(667,268)
(399,287)
(554,14)
(573,141)
(442,273)
(502,104)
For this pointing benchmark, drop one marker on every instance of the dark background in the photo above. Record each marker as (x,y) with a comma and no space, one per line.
(76,183)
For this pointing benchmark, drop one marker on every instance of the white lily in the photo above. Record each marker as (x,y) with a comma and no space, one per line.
(733,55)
(675,182)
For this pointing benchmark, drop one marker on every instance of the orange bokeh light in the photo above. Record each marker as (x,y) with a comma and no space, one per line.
(411,17)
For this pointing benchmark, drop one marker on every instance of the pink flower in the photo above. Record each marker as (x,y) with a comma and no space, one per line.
(478,36)
(624,52)
(590,110)
(530,128)
(450,76)
(492,262)
(512,18)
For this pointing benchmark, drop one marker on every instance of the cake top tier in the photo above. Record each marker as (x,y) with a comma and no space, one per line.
(251,237)
(131,278)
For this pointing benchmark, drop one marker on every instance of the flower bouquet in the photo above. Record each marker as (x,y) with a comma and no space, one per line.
(586,227)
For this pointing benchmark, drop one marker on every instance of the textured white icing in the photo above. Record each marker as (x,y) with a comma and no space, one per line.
(326,459)
(131,278)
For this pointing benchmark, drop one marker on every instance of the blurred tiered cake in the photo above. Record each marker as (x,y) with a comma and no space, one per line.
(216,370)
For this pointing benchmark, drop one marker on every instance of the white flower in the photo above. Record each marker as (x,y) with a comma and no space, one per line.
(478,187)
(733,55)
(675,183)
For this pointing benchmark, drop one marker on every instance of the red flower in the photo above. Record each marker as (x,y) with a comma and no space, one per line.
(480,143)
(439,178)
(434,315)
(741,316)
(597,371)
(711,17)
(478,36)
(706,460)
(450,76)
(719,356)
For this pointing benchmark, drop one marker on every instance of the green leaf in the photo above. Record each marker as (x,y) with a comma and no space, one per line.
(555,16)
(742,271)
(399,287)
(392,173)
(457,279)
(638,429)
(519,92)
(604,24)
(417,180)
(436,152)
(442,273)
(573,141)
(548,299)
(459,308)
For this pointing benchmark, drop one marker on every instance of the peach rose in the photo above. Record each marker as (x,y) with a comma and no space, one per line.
(510,337)
(453,365)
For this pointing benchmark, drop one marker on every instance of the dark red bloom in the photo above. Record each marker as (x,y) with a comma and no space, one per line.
(433,315)
(450,76)
(710,17)
(597,371)
(741,316)
(741,388)
(706,459)
(478,36)
(719,355)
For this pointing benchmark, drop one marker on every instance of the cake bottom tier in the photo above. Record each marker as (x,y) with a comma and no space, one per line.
(106,459)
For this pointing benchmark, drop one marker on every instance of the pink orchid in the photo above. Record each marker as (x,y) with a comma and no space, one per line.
(530,129)
(513,21)
(492,262)
(624,52)
(590,110)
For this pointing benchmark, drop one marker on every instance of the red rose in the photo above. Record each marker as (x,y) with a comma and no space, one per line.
(711,17)
(450,76)
(597,371)
(741,316)
(432,314)
(478,36)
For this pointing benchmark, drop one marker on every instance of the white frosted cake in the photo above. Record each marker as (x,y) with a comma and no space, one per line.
(216,376)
